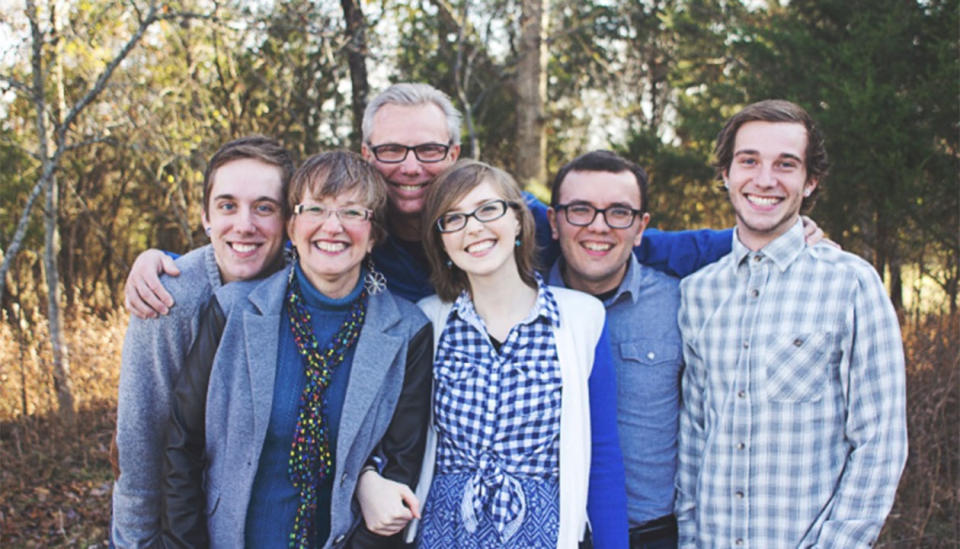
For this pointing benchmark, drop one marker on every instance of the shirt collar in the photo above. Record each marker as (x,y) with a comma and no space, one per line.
(545,306)
(782,251)
(629,286)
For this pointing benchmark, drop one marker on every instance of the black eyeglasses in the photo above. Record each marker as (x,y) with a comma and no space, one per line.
(486,212)
(581,214)
(394,153)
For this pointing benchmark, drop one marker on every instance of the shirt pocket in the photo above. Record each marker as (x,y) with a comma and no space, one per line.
(647,366)
(797,366)
(455,367)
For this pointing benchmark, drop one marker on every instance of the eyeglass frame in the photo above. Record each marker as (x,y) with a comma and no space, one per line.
(446,151)
(602,211)
(315,209)
(505,204)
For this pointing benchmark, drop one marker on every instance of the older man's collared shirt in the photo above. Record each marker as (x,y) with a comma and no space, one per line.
(645,340)
(498,412)
(793,427)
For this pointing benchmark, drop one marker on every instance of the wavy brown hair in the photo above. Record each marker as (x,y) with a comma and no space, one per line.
(448,189)
(776,110)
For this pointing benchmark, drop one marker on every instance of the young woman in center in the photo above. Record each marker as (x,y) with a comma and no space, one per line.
(523,448)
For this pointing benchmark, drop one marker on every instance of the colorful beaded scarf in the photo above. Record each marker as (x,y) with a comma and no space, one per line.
(310,460)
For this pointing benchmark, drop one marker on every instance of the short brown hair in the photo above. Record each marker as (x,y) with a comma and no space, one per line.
(776,110)
(449,188)
(259,147)
(339,172)
(600,161)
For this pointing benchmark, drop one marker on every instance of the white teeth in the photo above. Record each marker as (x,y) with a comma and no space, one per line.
(597,246)
(243,248)
(409,188)
(763,200)
(480,246)
(330,246)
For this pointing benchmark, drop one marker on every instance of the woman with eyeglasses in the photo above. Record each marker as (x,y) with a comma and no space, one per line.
(321,376)
(523,448)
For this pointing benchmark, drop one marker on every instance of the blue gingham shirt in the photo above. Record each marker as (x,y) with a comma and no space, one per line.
(793,426)
(498,413)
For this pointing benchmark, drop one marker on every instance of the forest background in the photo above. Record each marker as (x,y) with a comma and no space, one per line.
(109,110)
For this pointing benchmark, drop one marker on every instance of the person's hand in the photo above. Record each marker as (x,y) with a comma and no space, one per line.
(387,506)
(144,295)
(814,234)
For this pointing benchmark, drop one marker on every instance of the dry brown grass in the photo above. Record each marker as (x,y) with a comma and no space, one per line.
(56,482)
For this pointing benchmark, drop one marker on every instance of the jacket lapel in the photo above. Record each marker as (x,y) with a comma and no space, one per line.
(261,337)
(376,351)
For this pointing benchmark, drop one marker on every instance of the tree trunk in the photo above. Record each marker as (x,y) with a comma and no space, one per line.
(61,356)
(357,61)
(51,249)
(531,156)
(462,70)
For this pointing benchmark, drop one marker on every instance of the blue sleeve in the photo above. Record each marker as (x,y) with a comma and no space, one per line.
(172,255)
(607,495)
(682,253)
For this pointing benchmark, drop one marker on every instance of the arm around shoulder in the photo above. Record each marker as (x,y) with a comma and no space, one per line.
(681,253)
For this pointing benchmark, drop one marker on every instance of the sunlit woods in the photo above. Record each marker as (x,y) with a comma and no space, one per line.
(652,79)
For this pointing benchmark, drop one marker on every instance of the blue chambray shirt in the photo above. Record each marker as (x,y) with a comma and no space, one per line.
(793,427)
(647,354)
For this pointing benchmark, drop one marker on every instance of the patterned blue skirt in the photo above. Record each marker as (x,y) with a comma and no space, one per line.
(443,527)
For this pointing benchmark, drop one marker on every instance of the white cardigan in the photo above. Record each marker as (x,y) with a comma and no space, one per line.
(581,322)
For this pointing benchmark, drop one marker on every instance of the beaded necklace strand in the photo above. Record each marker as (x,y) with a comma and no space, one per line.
(310,460)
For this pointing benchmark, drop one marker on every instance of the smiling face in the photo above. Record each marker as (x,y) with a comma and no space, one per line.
(331,251)
(482,249)
(407,181)
(245,219)
(596,256)
(767,180)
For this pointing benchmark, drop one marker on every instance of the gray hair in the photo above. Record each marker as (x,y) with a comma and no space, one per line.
(413,94)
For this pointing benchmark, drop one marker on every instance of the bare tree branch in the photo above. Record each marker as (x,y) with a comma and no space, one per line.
(15,84)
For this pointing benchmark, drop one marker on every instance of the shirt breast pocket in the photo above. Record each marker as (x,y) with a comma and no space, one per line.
(455,367)
(648,366)
(798,366)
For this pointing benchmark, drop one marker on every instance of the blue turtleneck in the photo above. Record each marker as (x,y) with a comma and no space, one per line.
(274,500)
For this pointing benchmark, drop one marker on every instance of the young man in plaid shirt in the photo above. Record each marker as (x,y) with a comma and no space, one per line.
(793,426)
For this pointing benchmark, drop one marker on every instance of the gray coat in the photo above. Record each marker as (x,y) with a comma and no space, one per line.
(239,400)
(153,353)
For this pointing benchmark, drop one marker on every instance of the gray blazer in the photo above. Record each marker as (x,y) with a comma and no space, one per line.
(240,393)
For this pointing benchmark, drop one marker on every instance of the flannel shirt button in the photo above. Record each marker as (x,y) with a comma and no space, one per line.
(754,292)
(757,258)
(739,495)
(741,394)
(797,342)
(746,344)
(739,541)
(741,446)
